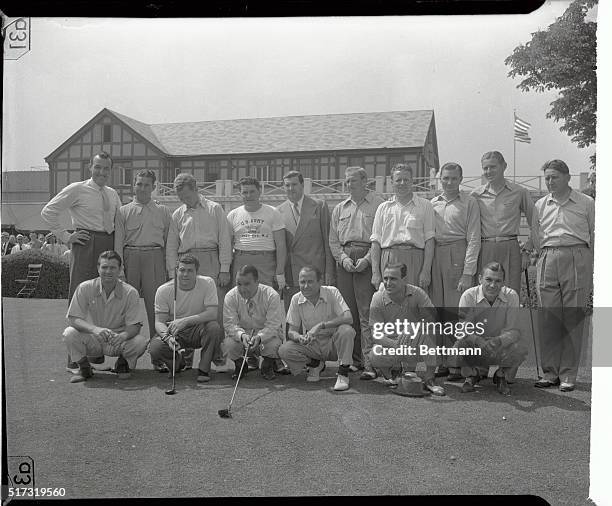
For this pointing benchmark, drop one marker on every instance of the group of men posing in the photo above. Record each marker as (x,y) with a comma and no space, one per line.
(310,287)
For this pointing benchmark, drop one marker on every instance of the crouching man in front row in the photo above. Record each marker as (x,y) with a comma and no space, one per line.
(253,318)
(195,323)
(493,309)
(114,309)
(404,303)
(324,318)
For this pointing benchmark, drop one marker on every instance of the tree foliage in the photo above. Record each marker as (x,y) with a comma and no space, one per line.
(563,58)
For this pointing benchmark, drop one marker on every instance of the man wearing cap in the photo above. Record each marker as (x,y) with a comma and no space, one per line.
(457,244)
(492,308)
(501,203)
(404,231)
(20,246)
(253,316)
(52,246)
(199,228)
(113,308)
(349,242)
(319,330)
(141,230)
(401,301)
(92,206)
(258,236)
(564,234)
(306,222)
(194,325)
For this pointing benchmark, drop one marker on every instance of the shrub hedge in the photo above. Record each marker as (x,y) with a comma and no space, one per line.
(54,276)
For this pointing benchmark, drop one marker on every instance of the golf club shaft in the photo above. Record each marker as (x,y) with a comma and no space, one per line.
(174,318)
(244,359)
(535,350)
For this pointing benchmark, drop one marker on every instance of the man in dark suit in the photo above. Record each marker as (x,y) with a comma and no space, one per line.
(307,230)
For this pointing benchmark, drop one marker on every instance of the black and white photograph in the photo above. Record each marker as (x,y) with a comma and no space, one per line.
(306,256)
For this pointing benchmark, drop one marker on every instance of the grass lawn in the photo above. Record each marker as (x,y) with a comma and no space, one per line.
(111,438)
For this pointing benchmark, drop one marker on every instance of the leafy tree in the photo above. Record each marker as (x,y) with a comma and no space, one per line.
(563,58)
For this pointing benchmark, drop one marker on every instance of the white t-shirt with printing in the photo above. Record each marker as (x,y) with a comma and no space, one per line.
(253,230)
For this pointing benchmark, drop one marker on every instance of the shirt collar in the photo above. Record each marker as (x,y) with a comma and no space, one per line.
(200,203)
(118,287)
(369,197)
(480,295)
(507,184)
(94,185)
(149,204)
(322,296)
(411,201)
(299,203)
(408,291)
(443,199)
(571,196)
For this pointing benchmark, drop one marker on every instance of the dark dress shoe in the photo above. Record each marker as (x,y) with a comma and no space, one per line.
(468,385)
(502,384)
(545,383)
(267,368)
(454,377)
(237,366)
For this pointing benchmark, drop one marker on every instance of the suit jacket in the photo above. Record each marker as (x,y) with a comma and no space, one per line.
(310,244)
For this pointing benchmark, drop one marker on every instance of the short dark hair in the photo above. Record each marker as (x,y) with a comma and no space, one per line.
(398,265)
(558,165)
(494,155)
(109,255)
(102,154)
(401,166)
(294,173)
(495,267)
(250,180)
(188,259)
(248,269)
(313,268)
(146,173)
(451,166)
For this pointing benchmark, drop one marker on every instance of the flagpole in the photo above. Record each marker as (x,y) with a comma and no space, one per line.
(514,146)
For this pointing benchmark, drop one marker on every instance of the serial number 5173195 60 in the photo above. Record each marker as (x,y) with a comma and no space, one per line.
(36,492)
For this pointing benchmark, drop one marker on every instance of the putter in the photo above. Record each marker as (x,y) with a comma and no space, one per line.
(535,351)
(172,391)
(227,413)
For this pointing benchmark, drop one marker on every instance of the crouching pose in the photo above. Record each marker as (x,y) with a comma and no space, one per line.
(493,309)
(195,323)
(253,318)
(113,307)
(402,303)
(324,319)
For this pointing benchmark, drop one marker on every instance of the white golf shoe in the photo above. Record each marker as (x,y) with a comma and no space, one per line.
(342,383)
(314,372)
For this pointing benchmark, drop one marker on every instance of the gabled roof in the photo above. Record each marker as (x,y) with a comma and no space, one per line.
(329,132)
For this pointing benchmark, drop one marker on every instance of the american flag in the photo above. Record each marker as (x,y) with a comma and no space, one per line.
(521,130)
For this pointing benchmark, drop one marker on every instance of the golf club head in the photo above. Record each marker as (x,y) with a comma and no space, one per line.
(172,391)
(225,413)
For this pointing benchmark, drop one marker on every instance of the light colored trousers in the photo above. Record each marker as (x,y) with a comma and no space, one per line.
(337,346)
(564,281)
(81,344)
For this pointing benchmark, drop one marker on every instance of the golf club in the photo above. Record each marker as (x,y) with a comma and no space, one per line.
(172,391)
(535,350)
(227,413)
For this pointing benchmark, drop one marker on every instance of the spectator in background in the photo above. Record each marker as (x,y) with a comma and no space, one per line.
(6,245)
(52,246)
(21,245)
(590,190)
(35,243)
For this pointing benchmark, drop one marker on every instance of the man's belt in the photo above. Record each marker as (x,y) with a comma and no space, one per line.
(255,252)
(403,246)
(144,248)
(499,238)
(198,250)
(95,231)
(446,243)
(581,245)
(360,244)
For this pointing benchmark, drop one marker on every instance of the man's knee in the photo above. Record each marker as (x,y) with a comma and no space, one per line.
(345,331)
(156,347)
(211,333)
(270,347)
(289,350)
(139,344)
(70,335)
(233,348)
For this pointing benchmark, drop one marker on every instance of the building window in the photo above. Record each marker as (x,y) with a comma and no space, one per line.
(106,135)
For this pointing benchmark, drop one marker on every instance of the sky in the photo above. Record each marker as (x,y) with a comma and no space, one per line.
(160,71)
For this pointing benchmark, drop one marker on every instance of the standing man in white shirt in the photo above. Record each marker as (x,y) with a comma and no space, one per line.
(20,246)
(92,206)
